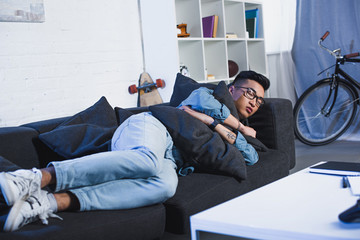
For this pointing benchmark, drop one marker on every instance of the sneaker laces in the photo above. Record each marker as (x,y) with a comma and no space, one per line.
(42,212)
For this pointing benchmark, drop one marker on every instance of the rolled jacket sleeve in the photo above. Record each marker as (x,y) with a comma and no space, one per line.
(248,151)
(202,100)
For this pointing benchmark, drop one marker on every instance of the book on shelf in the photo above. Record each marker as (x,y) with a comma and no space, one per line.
(231,35)
(210,25)
(210,77)
(337,168)
(252,22)
(216,22)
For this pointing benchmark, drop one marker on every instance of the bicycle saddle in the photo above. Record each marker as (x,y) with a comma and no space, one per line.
(351,215)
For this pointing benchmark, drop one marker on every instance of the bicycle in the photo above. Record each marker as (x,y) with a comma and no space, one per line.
(327,108)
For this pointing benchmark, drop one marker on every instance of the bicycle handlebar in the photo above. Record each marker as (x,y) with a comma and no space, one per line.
(334,53)
(351,55)
(325,36)
(337,52)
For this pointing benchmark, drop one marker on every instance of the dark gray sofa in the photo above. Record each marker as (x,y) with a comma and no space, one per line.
(196,192)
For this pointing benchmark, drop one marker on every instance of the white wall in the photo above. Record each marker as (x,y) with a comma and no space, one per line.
(85,49)
(160,43)
(279,24)
(279,27)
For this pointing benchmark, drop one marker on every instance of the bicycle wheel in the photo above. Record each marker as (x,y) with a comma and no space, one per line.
(314,125)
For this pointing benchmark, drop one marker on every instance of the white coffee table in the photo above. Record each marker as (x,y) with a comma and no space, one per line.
(301,206)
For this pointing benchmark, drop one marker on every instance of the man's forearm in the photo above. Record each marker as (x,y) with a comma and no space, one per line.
(234,123)
(225,133)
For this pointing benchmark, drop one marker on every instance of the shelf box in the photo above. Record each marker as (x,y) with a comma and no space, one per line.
(237,53)
(188,12)
(235,18)
(191,55)
(259,19)
(214,7)
(215,59)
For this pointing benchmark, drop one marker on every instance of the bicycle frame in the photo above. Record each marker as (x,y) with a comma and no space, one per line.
(338,70)
(340,60)
(334,88)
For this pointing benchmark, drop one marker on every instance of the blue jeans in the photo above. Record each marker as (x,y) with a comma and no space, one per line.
(138,171)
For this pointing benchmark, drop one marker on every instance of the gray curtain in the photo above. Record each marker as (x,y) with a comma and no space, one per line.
(313,18)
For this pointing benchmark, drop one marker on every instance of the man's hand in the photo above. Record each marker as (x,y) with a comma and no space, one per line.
(247,130)
(201,116)
(234,123)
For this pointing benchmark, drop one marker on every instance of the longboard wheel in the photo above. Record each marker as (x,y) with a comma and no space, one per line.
(132,89)
(160,83)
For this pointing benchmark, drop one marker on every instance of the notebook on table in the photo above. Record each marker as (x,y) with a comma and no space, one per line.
(337,168)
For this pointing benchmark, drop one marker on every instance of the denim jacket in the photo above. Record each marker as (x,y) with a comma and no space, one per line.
(202,100)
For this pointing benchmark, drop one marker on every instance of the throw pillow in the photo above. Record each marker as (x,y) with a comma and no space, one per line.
(200,146)
(183,87)
(222,94)
(122,114)
(101,114)
(87,132)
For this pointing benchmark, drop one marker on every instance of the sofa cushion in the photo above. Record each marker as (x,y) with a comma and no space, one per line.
(133,224)
(195,193)
(200,146)
(272,166)
(273,122)
(183,87)
(87,132)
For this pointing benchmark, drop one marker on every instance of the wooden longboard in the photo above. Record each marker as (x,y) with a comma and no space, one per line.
(147,90)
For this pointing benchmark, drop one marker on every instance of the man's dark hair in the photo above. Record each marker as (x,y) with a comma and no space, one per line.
(261,79)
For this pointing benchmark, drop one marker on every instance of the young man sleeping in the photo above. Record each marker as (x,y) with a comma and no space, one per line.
(139,170)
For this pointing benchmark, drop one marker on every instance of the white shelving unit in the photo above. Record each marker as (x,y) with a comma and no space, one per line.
(203,56)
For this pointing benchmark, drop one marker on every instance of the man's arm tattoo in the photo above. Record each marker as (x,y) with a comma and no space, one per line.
(231,135)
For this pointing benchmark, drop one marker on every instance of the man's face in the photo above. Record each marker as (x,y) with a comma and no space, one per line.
(244,105)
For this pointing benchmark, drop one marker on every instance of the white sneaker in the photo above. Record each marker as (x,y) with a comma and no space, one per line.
(20,184)
(30,210)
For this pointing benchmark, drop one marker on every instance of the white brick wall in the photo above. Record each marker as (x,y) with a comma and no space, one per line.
(85,49)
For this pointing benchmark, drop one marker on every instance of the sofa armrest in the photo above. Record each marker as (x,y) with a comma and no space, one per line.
(273,123)
(16,145)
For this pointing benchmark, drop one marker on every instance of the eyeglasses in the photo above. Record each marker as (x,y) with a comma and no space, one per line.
(251,94)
